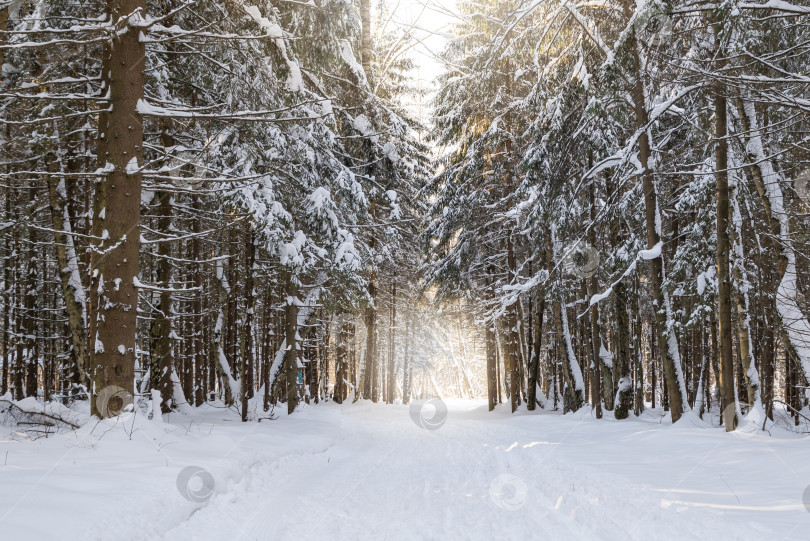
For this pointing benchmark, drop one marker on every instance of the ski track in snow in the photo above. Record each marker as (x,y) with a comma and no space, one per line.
(368,472)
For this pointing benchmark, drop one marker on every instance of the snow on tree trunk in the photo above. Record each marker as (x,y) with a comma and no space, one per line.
(117,258)
(72,288)
(742,304)
(795,325)
(664,323)
(723,247)
(575,385)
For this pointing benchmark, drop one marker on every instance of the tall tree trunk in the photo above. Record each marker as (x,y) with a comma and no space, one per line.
(700,398)
(3,27)
(246,354)
(715,357)
(574,396)
(162,358)
(222,369)
(370,366)
(72,288)
(623,401)
(596,338)
(391,394)
(574,391)
(114,360)
(291,355)
(5,375)
(8,295)
(406,369)
(741,300)
(492,364)
(723,249)
(664,328)
(342,359)
(767,358)
(267,345)
(793,330)
(638,402)
(365,37)
(18,372)
(370,386)
(231,334)
(198,319)
(30,294)
(534,361)
(512,335)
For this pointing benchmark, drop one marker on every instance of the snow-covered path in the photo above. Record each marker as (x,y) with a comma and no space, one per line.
(369,472)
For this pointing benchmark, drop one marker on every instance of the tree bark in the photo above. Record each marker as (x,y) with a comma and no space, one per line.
(162,358)
(29,295)
(574,391)
(3,28)
(72,288)
(767,183)
(512,335)
(596,338)
(341,359)
(638,402)
(291,355)
(573,398)
(665,332)
(5,376)
(370,374)
(220,362)
(199,319)
(246,353)
(492,365)
(406,369)
(744,339)
(534,361)
(727,402)
(7,300)
(114,360)
(365,37)
(623,402)
(391,391)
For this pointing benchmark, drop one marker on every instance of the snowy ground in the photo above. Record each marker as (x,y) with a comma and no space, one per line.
(370,472)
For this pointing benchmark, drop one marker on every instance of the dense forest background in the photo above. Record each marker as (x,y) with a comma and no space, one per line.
(233,204)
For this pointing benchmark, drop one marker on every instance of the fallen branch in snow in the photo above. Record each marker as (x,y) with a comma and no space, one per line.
(797,412)
(23,411)
(270,416)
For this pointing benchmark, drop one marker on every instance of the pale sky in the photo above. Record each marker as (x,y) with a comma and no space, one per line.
(429,22)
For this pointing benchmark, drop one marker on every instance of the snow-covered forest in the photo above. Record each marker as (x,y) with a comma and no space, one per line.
(256,232)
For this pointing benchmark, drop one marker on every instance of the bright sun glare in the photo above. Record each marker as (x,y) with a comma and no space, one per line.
(429,23)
